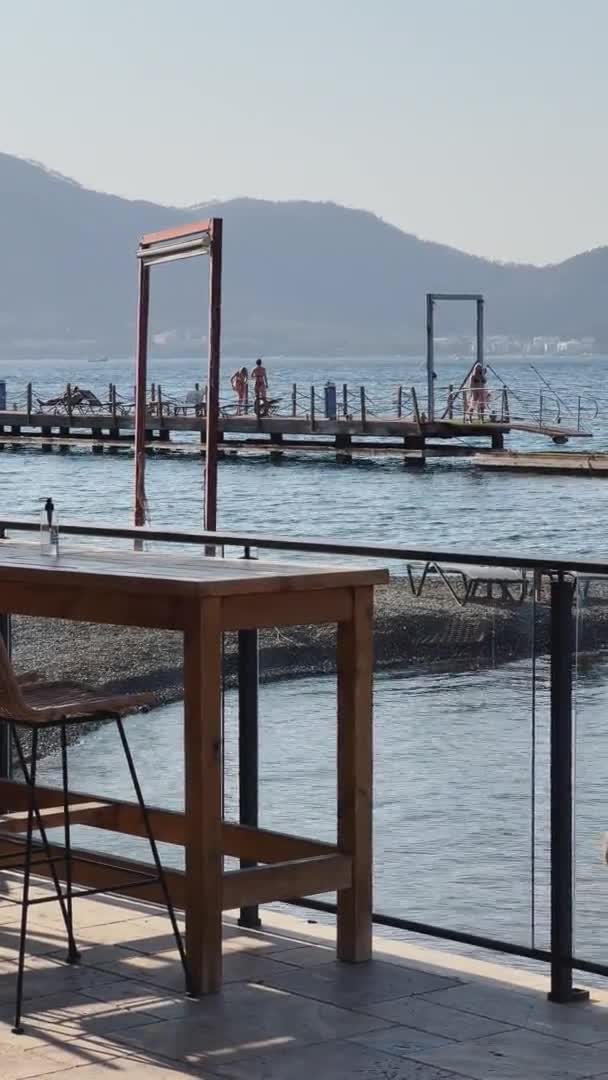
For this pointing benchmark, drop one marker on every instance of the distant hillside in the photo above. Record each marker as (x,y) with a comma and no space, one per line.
(299,276)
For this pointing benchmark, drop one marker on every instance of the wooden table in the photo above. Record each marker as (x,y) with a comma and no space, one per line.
(203,597)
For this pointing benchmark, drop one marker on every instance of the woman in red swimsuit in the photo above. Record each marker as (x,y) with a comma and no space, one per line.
(260,381)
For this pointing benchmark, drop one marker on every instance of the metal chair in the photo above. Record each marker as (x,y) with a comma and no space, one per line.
(28,702)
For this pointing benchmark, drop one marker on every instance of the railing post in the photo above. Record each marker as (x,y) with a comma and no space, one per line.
(345,399)
(562,650)
(248,749)
(294,399)
(5,736)
(400,401)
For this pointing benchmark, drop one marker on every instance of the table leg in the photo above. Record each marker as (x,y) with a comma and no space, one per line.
(203,798)
(355,661)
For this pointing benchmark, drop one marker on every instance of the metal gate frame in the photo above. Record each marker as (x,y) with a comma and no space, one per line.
(431,300)
(169,245)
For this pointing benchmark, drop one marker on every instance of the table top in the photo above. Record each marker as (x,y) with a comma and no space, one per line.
(171,573)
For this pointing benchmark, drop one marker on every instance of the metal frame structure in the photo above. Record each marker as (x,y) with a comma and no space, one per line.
(431,299)
(169,245)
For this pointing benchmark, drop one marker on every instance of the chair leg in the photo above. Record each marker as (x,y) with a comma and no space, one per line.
(73,955)
(41,828)
(18,1028)
(159,868)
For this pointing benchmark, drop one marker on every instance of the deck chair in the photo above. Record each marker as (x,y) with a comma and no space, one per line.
(57,404)
(584,583)
(472,578)
(266,408)
(29,702)
(85,400)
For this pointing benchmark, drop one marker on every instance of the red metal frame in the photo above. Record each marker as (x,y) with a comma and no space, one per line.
(177,233)
(183,241)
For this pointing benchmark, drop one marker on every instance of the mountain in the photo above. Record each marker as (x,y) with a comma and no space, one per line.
(298,277)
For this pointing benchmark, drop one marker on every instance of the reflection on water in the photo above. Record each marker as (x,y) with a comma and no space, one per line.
(452,805)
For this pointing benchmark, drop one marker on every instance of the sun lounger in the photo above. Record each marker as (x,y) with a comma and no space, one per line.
(585,581)
(80,401)
(512,584)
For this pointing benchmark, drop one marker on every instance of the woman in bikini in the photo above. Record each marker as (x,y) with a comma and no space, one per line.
(478,395)
(239,383)
(260,381)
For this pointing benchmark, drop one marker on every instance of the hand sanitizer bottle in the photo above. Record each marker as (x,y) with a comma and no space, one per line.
(49,529)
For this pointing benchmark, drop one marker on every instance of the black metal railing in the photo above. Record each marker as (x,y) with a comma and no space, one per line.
(558,576)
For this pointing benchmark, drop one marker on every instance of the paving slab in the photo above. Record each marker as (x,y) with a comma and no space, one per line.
(243,1021)
(288,1008)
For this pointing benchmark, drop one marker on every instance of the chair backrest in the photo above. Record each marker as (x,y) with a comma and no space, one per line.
(12,703)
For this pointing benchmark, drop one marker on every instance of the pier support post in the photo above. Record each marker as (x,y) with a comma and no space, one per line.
(561,780)
(342,444)
(276,438)
(498,440)
(248,749)
(414,455)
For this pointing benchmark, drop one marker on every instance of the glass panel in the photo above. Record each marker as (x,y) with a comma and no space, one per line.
(454,716)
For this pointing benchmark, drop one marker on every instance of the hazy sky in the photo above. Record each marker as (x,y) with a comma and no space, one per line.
(479,123)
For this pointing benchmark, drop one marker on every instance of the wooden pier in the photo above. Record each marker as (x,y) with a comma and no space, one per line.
(557,462)
(346,422)
(276,435)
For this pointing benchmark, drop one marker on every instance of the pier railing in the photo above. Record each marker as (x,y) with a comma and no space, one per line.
(484,755)
(502,403)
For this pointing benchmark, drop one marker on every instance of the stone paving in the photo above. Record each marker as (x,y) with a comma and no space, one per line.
(288,1010)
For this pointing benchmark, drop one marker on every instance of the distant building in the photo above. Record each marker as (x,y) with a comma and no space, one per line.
(576,346)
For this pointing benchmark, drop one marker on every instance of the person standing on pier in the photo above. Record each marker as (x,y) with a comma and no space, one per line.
(240,383)
(478,395)
(260,381)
